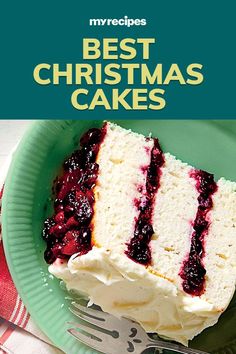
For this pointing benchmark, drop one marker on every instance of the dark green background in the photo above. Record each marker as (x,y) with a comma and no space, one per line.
(33,32)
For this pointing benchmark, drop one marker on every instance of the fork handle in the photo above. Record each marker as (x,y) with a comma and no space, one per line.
(174,347)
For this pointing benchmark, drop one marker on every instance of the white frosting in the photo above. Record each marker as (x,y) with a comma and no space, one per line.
(125,288)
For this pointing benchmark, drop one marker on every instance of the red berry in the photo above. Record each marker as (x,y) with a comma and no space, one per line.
(71,222)
(70,248)
(57,230)
(59,218)
(70,235)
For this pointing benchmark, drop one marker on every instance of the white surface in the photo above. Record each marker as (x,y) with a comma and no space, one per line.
(11,132)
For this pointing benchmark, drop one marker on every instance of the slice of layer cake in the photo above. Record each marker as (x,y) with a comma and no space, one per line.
(143,234)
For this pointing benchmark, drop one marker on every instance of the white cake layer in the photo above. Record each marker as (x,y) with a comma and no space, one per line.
(153,295)
(121,158)
(220,246)
(175,209)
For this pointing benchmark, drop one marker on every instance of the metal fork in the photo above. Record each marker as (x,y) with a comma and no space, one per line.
(112,335)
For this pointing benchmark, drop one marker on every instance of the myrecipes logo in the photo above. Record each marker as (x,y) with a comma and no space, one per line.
(125,21)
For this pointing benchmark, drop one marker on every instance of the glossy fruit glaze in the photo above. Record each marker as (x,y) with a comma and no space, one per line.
(69,229)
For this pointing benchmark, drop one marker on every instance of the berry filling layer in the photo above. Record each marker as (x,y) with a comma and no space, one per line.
(138,247)
(193,271)
(69,230)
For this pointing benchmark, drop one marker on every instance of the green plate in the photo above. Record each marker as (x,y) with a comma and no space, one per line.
(207,145)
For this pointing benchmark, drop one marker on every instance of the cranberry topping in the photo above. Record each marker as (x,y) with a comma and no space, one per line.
(193,271)
(68,231)
(138,248)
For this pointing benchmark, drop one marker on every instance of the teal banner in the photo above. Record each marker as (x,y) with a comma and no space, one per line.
(117,60)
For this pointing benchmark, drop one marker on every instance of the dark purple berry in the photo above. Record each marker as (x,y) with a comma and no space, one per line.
(139,252)
(93,136)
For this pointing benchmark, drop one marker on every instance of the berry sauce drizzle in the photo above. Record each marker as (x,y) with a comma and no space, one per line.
(69,230)
(138,247)
(193,271)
